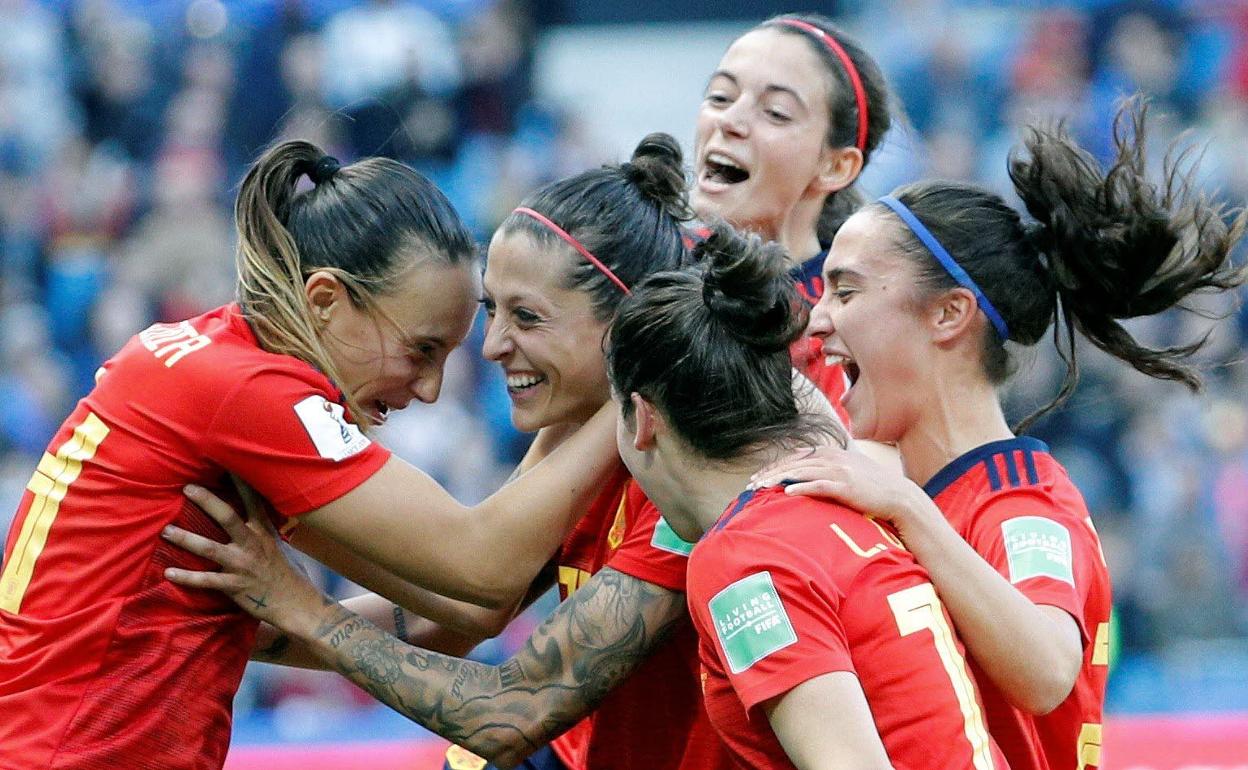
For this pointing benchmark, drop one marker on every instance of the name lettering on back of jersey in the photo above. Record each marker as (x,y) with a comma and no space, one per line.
(666,539)
(327,426)
(1038,547)
(890,540)
(172,342)
(750,621)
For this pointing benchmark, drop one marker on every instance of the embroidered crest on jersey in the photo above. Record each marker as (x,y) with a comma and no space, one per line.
(666,539)
(750,621)
(1037,547)
(327,426)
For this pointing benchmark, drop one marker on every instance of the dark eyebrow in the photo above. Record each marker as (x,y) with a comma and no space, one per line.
(835,274)
(776,88)
(770,87)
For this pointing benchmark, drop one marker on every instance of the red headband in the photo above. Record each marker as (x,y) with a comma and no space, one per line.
(559,231)
(860,93)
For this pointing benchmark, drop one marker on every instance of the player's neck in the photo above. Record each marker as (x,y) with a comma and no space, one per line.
(951,425)
(704,489)
(799,237)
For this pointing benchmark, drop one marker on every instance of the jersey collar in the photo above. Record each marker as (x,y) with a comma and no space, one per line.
(956,469)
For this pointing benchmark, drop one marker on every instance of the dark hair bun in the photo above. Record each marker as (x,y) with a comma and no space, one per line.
(657,168)
(747,288)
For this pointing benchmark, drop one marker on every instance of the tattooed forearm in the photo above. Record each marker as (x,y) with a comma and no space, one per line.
(400,623)
(590,644)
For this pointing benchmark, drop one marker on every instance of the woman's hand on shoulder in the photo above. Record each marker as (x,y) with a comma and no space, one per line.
(852,479)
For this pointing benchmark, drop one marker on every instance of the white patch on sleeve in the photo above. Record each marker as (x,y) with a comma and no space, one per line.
(334,437)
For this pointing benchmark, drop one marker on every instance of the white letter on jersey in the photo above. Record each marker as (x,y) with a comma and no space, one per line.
(176,339)
(334,437)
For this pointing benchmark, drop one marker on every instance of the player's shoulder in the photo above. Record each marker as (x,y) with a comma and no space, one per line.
(770,526)
(220,347)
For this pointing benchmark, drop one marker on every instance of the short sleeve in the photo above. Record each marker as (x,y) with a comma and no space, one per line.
(771,626)
(286,436)
(650,550)
(1044,550)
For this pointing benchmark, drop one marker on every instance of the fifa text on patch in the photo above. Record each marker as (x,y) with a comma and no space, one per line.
(750,621)
(1037,547)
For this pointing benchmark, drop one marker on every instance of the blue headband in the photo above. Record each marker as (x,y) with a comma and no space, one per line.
(946,261)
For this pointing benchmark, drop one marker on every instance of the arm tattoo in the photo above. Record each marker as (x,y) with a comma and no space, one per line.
(400,623)
(586,648)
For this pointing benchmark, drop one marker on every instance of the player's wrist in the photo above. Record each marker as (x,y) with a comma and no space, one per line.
(912,512)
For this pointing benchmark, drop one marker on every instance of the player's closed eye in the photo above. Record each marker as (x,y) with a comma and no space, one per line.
(526,317)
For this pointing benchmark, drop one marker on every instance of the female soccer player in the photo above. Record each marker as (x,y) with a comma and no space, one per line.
(924,289)
(812,618)
(620,645)
(789,119)
(351,295)
(794,83)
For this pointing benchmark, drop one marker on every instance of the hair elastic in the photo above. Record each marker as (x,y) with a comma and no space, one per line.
(860,93)
(947,261)
(559,231)
(324,169)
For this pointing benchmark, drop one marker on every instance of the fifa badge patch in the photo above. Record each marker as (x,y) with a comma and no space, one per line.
(333,436)
(1038,547)
(666,539)
(750,621)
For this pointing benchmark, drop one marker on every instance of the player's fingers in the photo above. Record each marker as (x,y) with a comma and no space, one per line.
(833,490)
(199,545)
(262,524)
(806,470)
(217,581)
(219,510)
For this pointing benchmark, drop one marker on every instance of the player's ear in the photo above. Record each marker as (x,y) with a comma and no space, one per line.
(324,291)
(838,168)
(647,420)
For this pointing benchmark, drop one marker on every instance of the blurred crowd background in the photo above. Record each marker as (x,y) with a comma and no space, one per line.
(125,127)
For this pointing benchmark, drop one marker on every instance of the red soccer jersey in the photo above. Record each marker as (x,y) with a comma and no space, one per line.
(655,718)
(785,589)
(103,662)
(1019,510)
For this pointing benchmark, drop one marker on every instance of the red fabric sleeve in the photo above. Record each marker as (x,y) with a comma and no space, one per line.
(650,551)
(287,437)
(1043,549)
(745,586)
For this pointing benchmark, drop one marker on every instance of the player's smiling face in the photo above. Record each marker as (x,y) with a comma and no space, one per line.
(390,357)
(761,132)
(870,319)
(544,335)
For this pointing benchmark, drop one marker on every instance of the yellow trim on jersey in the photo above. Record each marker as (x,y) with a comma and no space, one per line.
(1100,646)
(49,484)
(1089,746)
(616,535)
(459,758)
